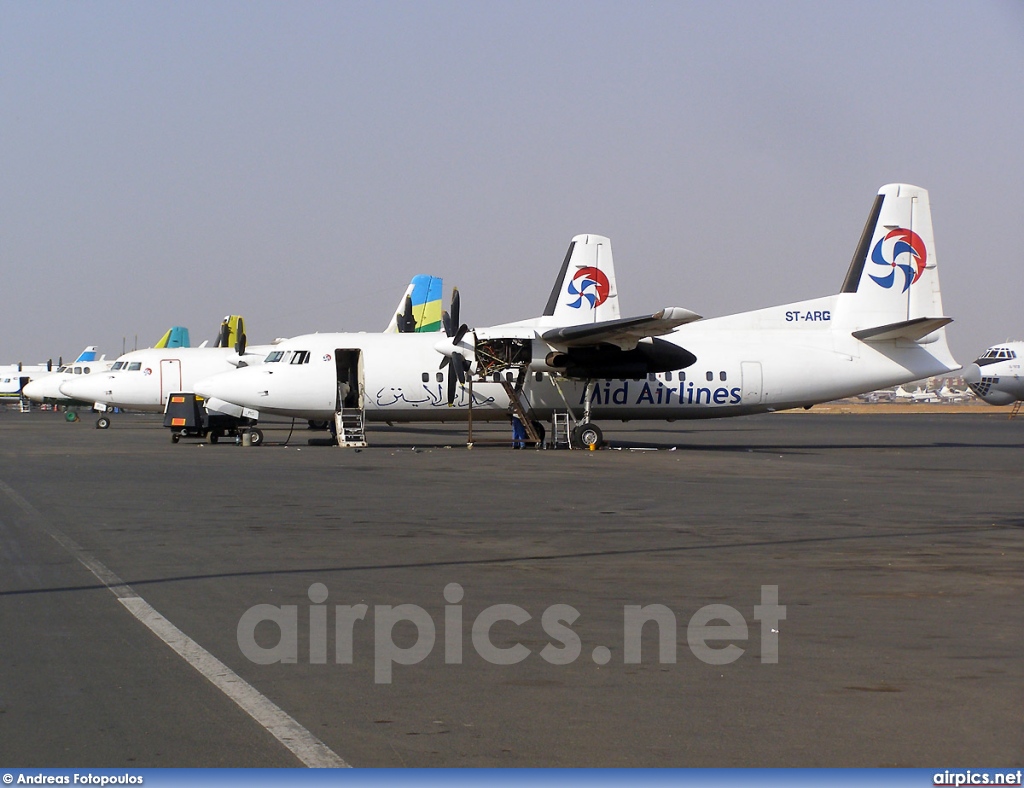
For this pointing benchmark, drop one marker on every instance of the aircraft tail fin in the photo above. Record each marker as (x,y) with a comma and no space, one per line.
(232,331)
(585,290)
(893,277)
(177,336)
(89,354)
(419,310)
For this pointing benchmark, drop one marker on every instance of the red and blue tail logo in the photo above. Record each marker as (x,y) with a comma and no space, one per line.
(590,285)
(887,252)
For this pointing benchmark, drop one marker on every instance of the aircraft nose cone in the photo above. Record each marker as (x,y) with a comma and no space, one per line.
(228,386)
(34,390)
(82,389)
(210,387)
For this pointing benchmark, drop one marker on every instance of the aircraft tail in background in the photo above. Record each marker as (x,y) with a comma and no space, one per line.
(419,309)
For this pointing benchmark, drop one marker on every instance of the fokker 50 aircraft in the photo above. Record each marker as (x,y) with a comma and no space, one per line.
(885,327)
(14,377)
(143,379)
(46,389)
(996,377)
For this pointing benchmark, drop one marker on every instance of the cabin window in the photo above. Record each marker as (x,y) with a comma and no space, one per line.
(721,375)
(540,376)
(86,370)
(711,375)
(668,376)
(497,377)
(425,377)
(652,377)
(439,377)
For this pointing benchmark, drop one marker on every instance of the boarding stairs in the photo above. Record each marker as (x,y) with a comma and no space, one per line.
(350,424)
(1016,408)
(24,404)
(523,412)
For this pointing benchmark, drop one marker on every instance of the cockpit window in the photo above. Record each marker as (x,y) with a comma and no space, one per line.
(117,366)
(134,366)
(277,355)
(1000,353)
(300,357)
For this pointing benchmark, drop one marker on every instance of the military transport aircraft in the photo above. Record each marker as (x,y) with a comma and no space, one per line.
(996,376)
(885,327)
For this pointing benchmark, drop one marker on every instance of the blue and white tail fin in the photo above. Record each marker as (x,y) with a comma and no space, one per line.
(891,290)
(419,309)
(87,355)
(585,290)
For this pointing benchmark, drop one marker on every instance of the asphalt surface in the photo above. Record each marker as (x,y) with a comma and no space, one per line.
(895,543)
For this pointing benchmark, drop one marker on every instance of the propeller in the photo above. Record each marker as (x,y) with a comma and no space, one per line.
(456,362)
(406,319)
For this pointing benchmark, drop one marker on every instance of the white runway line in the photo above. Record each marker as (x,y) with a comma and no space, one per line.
(304,745)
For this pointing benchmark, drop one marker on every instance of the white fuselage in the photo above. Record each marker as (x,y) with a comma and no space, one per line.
(782,357)
(142,379)
(14,377)
(46,388)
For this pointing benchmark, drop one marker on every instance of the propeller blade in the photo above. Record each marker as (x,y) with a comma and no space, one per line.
(407,321)
(446,322)
(456,303)
(460,334)
(459,367)
(451,387)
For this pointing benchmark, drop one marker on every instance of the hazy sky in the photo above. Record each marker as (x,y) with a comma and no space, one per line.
(297,162)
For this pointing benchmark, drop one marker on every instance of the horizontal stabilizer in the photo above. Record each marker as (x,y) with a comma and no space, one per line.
(908,329)
(624,332)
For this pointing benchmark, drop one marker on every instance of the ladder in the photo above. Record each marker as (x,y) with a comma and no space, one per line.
(1016,408)
(350,427)
(25,404)
(520,412)
(560,430)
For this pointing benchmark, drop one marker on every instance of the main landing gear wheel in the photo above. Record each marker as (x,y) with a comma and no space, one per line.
(587,436)
(255,437)
(103,423)
(541,433)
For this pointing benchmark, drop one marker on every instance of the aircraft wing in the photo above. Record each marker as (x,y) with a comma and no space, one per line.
(624,332)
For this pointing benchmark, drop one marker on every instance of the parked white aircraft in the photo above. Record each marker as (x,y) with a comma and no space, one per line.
(46,389)
(885,327)
(143,379)
(947,394)
(996,376)
(14,377)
